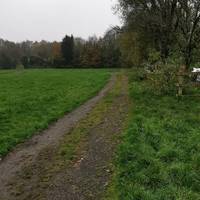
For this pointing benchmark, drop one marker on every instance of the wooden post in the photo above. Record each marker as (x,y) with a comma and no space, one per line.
(181,74)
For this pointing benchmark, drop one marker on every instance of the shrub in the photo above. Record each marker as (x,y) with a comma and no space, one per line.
(20,67)
(164,80)
(154,56)
(137,75)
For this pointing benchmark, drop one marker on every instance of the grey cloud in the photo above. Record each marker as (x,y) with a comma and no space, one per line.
(52,19)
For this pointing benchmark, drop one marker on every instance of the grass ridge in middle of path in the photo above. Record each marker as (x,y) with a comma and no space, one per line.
(31,99)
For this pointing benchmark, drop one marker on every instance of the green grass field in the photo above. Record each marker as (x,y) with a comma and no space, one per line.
(159,158)
(31,99)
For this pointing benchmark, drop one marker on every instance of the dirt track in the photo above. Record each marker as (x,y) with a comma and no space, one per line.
(88,175)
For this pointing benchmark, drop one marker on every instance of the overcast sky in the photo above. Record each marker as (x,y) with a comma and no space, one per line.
(52,19)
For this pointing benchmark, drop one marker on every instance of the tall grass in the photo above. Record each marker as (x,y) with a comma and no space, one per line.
(159,158)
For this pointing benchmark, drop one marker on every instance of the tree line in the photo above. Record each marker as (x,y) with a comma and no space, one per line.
(71,52)
(152,31)
(160,30)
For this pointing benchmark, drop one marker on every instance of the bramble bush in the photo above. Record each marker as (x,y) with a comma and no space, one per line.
(164,80)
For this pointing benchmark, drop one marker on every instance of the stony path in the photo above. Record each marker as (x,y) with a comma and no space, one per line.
(86,177)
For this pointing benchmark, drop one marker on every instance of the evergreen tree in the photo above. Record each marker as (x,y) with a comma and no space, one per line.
(67,48)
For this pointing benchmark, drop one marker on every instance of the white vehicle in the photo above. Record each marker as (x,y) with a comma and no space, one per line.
(197,71)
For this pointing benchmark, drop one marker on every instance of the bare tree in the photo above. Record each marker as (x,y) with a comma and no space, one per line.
(155,20)
(189,26)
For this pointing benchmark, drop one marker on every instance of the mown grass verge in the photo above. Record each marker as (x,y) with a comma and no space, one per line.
(31,99)
(159,158)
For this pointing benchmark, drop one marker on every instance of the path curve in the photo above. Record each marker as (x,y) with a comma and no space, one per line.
(29,151)
(88,178)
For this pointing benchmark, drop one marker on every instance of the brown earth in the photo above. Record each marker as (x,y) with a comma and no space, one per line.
(72,159)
